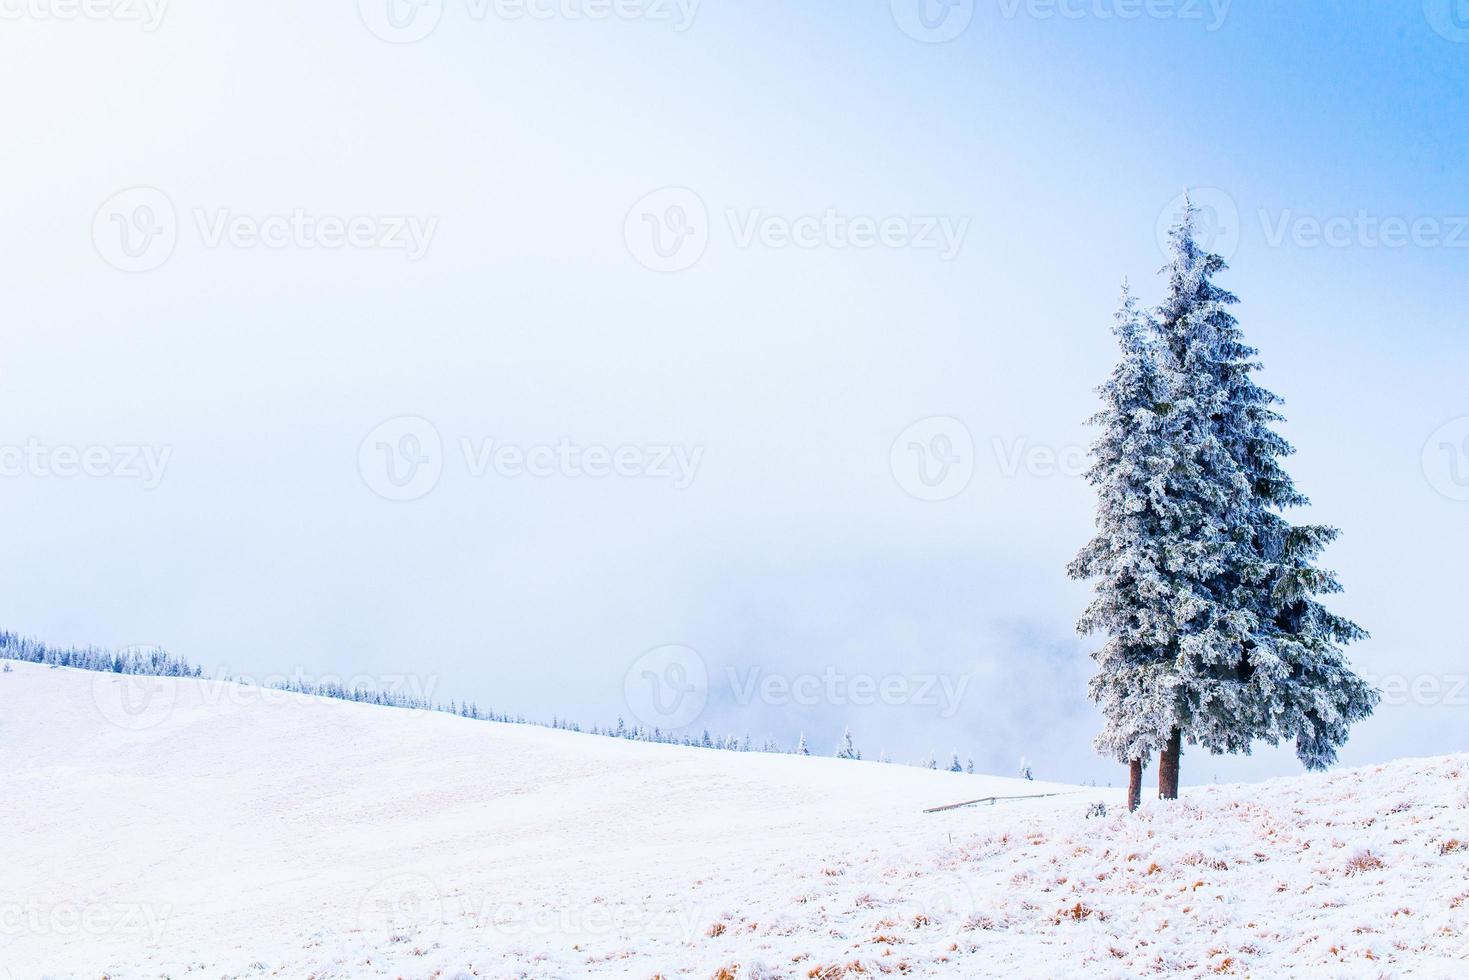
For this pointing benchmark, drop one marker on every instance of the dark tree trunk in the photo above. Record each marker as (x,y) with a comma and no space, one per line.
(1168,767)
(1134,784)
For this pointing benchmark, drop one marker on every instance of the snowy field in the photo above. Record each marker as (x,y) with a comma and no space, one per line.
(167,828)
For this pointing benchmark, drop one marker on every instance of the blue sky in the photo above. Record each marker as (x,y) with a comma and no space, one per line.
(527,151)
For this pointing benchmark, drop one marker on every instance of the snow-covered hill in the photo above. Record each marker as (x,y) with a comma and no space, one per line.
(169,827)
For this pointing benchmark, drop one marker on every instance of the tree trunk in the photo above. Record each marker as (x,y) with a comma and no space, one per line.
(1168,767)
(1134,784)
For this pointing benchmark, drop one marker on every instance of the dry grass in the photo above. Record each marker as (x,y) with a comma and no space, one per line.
(1078,913)
(1364,861)
(1199,859)
(837,971)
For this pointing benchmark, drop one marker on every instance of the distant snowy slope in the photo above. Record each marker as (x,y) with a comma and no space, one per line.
(153,826)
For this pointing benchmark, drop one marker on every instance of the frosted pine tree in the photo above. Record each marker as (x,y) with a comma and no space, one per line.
(801,747)
(1257,656)
(1133,460)
(846,750)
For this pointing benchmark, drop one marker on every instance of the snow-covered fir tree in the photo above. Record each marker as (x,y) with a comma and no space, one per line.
(954,764)
(1257,654)
(1133,606)
(1207,594)
(801,747)
(845,749)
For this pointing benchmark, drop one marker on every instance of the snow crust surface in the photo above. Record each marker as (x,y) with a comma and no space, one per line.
(164,827)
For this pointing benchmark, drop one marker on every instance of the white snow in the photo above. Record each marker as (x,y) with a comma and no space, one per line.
(169,827)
